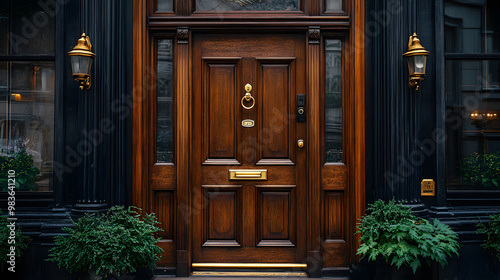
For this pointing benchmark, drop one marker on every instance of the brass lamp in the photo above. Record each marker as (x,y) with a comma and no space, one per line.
(417,60)
(81,61)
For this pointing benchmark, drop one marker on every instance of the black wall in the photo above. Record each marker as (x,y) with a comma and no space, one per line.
(405,127)
(91,173)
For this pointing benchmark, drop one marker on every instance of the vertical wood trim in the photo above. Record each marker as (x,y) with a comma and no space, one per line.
(358,162)
(182,153)
(313,7)
(313,152)
(140,143)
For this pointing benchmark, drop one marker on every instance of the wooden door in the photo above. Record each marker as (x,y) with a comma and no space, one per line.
(249,219)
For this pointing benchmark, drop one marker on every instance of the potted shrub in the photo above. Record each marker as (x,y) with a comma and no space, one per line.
(111,244)
(492,232)
(393,235)
(20,243)
(21,161)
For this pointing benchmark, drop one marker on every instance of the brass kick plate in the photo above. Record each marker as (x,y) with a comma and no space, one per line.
(248,174)
(428,187)
(249,265)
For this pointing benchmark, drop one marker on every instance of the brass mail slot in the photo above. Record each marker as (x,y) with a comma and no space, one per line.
(248,174)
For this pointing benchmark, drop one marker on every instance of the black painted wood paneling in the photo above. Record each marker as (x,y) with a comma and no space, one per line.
(105,111)
(394,168)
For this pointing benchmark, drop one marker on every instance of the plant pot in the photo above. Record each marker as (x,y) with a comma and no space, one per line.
(384,271)
(89,275)
(140,274)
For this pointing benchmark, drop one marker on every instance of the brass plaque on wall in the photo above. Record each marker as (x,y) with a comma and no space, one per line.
(428,187)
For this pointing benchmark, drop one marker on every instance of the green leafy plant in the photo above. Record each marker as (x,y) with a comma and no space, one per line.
(114,243)
(21,241)
(482,169)
(22,163)
(391,232)
(492,232)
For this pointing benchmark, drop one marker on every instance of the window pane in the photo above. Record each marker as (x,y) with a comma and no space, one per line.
(473,124)
(33,28)
(165,5)
(247,5)
(3,77)
(4,29)
(164,89)
(334,5)
(27,124)
(333,100)
(472,26)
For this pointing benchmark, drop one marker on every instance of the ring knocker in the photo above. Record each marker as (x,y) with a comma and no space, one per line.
(248,97)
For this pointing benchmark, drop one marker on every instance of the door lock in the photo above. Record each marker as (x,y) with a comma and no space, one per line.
(301,111)
(300,143)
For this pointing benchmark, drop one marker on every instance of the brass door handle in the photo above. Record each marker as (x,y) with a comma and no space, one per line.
(248,97)
(300,143)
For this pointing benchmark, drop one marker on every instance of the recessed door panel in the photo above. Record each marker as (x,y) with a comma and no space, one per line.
(221,217)
(219,97)
(276,102)
(276,216)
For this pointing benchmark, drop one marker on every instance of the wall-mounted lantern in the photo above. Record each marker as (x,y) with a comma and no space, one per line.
(417,60)
(81,61)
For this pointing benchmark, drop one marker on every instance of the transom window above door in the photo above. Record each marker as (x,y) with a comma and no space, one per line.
(207,6)
(247,5)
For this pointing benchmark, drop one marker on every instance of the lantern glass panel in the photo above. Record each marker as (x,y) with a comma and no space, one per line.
(411,65)
(420,63)
(75,64)
(85,64)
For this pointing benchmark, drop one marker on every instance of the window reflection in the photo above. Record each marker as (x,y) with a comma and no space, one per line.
(333,5)
(164,92)
(165,5)
(248,5)
(4,28)
(333,100)
(32,28)
(472,95)
(27,123)
(472,26)
(473,124)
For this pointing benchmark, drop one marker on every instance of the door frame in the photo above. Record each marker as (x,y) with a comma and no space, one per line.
(177,251)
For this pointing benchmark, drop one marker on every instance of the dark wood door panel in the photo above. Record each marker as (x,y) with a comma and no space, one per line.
(249,45)
(247,255)
(220,129)
(277,103)
(248,220)
(222,216)
(276,215)
(334,225)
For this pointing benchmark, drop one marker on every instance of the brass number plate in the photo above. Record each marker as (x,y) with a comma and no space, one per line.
(248,174)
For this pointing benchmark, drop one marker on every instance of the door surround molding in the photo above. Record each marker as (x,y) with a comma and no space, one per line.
(144,30)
